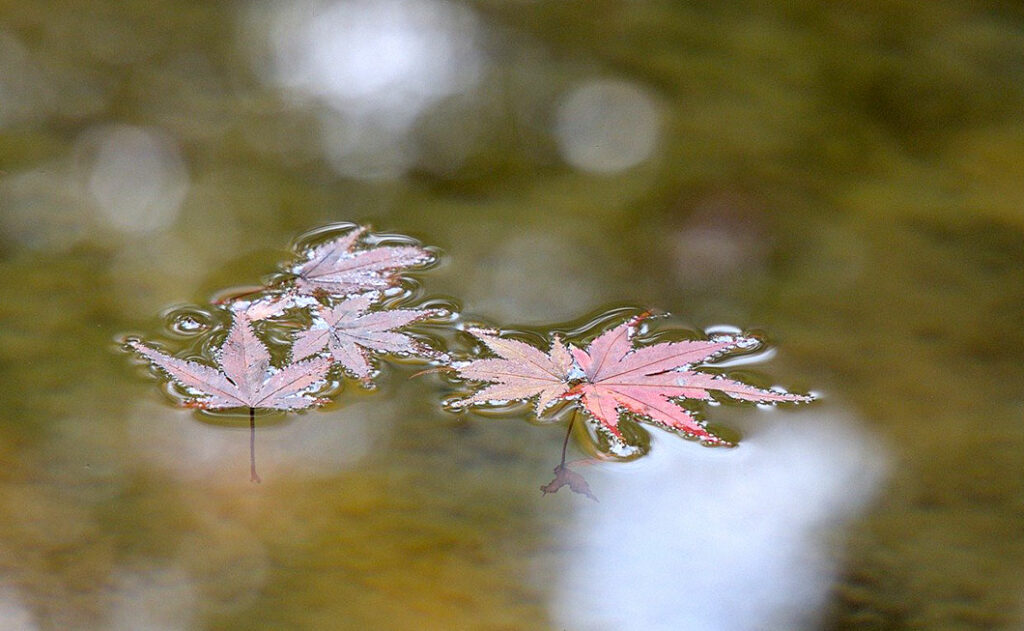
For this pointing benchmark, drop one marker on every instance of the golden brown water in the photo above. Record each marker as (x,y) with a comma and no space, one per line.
(845,179)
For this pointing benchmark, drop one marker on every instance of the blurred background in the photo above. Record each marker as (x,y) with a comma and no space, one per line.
(845,178)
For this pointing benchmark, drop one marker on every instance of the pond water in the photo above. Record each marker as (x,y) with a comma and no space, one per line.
(844,181)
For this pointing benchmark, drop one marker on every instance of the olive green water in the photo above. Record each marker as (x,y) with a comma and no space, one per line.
(847,179)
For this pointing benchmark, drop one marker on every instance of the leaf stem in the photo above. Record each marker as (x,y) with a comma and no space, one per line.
(568,432)
(253,477)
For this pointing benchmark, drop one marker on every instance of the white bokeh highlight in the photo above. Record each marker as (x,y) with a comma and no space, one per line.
(14,614)
(725,540)
(607,126)
(371,67)
(44,209)
(135,176)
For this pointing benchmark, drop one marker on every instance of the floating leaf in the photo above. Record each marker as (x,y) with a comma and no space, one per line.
(245,378)
(611,376)
(339,267)
(352,335)
(520,372)
(649,380)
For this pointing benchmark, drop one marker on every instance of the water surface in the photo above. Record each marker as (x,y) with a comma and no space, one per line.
(844,179)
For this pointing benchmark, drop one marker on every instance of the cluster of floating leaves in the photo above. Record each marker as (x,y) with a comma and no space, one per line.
(341,307)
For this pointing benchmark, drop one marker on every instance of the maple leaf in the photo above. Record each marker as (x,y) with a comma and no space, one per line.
(352,335)
(520,372)
(265,306)
(649,380)
(245,378)
(338,267)
(611,376)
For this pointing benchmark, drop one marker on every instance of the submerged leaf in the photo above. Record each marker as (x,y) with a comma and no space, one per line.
(566,476)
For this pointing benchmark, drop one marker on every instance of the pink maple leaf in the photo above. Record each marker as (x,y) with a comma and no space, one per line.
(245,377)
(352,334)
(649,380)
(520,372)
(612,376)
(339,267)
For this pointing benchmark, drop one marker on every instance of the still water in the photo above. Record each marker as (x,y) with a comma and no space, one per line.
(843,181)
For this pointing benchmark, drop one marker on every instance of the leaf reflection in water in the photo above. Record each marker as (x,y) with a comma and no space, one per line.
(177,445)
(713,539)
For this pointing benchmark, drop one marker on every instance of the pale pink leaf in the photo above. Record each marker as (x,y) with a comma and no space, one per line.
(193,375)
(612,343)
(247,379)
(520,372)
(602,406)
(353,359)
(324,255)
(309,341)
(350,307)
(340,267)
(656,407)
(352,335)
(243,356)
(285,388)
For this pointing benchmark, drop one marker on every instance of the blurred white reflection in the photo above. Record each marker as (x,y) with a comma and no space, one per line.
(135,176)
(692,538)
(152,599)
(119,182)
(607,126)
(310,445)
(375,65)
(14,615)
(362,148)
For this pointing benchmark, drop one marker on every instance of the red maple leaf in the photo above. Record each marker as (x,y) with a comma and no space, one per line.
(352,335)
(649,380)
(611,377)
(338,267)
